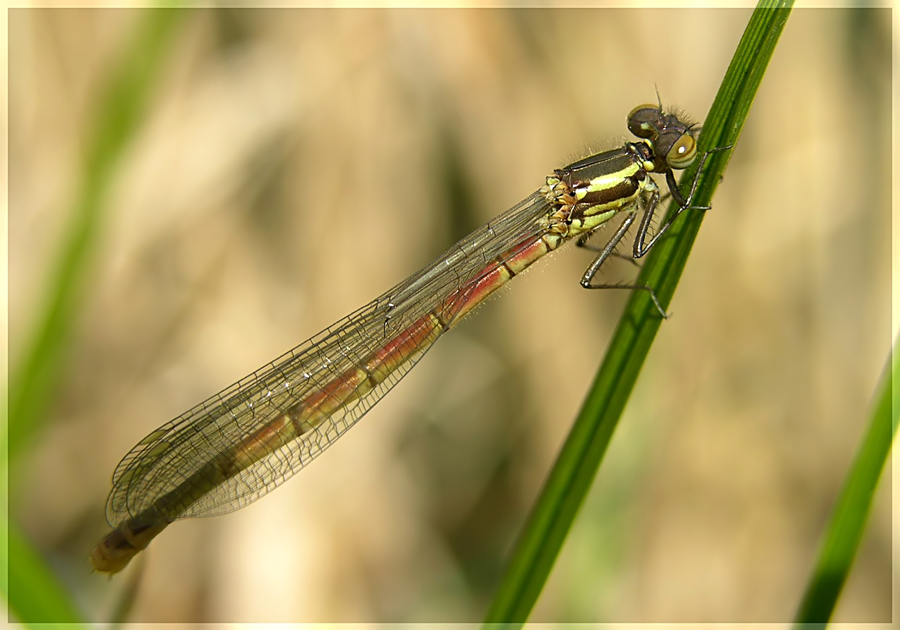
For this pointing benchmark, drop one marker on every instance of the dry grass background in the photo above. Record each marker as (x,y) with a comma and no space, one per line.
(295,164)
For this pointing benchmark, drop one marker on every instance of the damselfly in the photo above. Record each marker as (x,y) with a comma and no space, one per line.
(233,448)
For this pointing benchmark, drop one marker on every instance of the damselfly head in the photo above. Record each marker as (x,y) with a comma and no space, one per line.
(671,135)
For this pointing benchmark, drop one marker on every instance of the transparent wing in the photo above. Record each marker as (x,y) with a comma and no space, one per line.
(246,440)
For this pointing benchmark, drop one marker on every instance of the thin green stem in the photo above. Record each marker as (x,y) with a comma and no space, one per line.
(848,521)
(580,458)
(33,591)
(120,112)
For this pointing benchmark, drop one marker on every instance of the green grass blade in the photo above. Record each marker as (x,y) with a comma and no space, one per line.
(580,458)
(33,384)
(32,590)
(848,521)
(37,595)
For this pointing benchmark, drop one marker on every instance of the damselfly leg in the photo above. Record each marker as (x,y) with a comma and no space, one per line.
(606,252)
(647,203)
(641,247)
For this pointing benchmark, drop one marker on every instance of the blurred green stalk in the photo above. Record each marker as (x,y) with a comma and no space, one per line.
(848,521)
(119,114)
(33,592)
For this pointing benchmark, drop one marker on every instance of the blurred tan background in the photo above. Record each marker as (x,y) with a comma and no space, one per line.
(295,164)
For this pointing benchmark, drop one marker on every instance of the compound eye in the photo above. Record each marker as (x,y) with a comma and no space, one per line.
(643,121)
(682,152)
